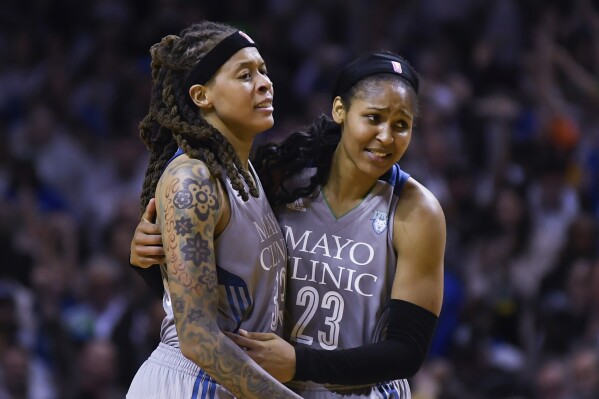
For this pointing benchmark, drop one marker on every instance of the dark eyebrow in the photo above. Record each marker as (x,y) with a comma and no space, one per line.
(386,109)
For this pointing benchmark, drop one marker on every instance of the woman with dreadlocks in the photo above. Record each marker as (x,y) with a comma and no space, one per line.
(210,97)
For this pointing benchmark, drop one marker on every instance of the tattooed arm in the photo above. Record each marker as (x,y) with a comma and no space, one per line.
(190,204)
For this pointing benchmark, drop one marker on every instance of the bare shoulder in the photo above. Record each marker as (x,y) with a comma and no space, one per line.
(183,172)
(418,204)
(186,167)
(187,184)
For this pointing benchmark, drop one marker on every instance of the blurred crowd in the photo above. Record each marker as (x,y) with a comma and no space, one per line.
(507,138)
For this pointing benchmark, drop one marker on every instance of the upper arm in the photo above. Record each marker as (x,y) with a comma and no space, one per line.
(419,235)
(189,206)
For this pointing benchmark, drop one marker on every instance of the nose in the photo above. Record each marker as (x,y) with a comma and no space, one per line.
(264,84)
(385,135)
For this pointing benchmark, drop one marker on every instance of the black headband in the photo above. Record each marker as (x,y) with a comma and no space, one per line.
(371,64)
(207,67)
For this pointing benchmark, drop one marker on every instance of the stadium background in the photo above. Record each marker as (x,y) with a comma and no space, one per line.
(507,138)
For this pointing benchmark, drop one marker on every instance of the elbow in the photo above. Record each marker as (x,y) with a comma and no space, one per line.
(418,360)
(413,360)
(188,352)
(407,370)
(199,344)
(413,367)
(193,349)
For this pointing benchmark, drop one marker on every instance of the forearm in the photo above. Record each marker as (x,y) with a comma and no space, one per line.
(368,364)
(193,281)
(152,277)
(204,343)
(400,355)
(231,367)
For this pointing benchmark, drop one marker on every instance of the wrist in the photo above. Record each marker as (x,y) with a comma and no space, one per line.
(294,365)
(301,362)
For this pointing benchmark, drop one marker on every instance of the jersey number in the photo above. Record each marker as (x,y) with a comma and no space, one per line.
(278,299)
(309,298)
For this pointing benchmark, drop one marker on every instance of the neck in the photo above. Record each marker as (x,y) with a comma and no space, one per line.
(345,183)
(241,144)
(242,148)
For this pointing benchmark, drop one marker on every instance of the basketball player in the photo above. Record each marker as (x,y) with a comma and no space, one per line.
(210,98)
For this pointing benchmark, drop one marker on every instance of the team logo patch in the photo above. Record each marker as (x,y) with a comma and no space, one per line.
(297,205)
(379,221)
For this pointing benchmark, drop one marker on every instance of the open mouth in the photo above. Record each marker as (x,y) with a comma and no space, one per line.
(264,105)
(380,154)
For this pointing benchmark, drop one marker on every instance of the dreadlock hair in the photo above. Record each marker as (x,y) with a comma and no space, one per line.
(311,147)
(174,121)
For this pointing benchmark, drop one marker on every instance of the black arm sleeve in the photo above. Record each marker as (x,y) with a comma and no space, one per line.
(409,333)
(152,277)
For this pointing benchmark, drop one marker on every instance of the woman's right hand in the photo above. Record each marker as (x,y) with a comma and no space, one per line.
(271,352)
(146,245)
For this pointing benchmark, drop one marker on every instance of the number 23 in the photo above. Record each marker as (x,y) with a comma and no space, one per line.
(309,297)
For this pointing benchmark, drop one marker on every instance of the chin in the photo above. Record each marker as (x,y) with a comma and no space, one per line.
(267,125)
(376,171)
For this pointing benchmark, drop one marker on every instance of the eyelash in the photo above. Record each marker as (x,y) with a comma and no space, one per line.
(246,75)
(375,118)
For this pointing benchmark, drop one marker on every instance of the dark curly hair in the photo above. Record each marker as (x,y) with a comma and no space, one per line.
(173,121)
(312,147)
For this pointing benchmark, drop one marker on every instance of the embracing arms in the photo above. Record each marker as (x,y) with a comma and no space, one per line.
(190,204)
(419,239)
(400,355)
(416,298)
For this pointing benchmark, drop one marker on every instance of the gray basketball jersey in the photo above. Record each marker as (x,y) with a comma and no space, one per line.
(251,264)
(340,275)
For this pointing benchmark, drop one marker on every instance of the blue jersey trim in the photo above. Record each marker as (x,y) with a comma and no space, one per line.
(389,391)
(238,294)
(175,155)
(397,178)
(196,385)
(233,308)
(207,384)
